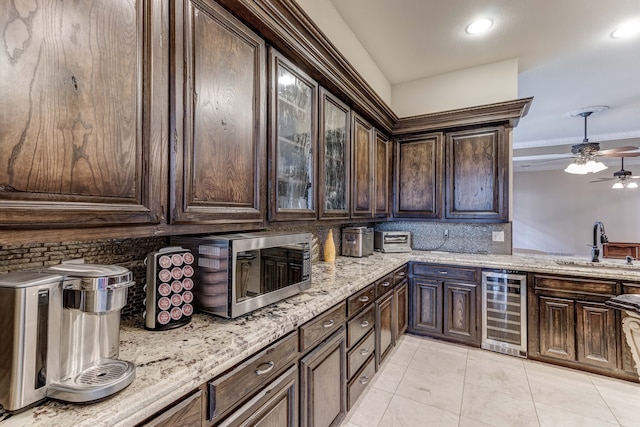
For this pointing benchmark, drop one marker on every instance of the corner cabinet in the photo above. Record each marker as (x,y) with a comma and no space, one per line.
(218,155)
(477,174)
(294,142)
(84,114)
(334,158)
(418,176)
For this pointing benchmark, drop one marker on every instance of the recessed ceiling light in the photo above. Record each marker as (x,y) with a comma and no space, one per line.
(479,26)
(627,30)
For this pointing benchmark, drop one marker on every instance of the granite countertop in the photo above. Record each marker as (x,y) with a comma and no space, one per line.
(170,364)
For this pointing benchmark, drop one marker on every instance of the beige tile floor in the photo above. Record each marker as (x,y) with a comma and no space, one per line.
(432,383)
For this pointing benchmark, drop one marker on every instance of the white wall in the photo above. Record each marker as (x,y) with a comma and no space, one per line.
(327,18)
(554,212)
(471,87)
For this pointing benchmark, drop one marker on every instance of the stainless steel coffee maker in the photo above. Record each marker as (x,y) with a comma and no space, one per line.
(61,327)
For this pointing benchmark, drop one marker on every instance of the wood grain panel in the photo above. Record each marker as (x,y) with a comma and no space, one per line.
(75,136)
(362,187)
(460,306)
(382,171)
(557,328)
(595,338)
(385,327)
(419,177)
(187,413)
(220,83)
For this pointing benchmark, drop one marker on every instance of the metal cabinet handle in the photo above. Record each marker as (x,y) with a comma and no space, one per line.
(364,352)
(402,273)
(386,284)
(363,298)
(265,370)
(329,323)
(444,272)
(365,323)
(364,380)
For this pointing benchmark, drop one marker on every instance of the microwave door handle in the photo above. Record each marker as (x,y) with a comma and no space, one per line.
(395,239)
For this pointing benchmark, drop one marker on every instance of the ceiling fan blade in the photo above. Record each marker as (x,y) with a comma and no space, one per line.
(602,180)
(542,157)
(617,150)
(621,154)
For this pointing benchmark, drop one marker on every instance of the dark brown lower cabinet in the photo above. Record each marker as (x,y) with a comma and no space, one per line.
(275,406)
(401,314)
(596,335)
(557,330)
(460,316)
(426,307)
(185,413)
(385,307)
(323,383)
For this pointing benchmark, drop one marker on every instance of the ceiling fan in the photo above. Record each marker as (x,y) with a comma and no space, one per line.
(585,153)
(624,178)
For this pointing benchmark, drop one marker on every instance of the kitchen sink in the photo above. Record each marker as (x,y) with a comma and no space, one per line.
(609,263)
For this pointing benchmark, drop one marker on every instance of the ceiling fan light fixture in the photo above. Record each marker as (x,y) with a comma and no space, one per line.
(632,184)
(479,26)
(618,186)
(627,30)
(577,169)
(594,167)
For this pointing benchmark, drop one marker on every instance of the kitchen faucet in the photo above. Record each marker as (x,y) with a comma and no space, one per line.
(595,252)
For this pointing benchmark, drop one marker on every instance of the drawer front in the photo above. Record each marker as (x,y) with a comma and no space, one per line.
(400,274)
(445,272)
(360,325)
(359,383)
(574,286)
(249,376)
(384,285)
(322,326)
(357,301)
(358,355)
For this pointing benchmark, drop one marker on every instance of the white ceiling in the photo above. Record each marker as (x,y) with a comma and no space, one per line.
(567,58)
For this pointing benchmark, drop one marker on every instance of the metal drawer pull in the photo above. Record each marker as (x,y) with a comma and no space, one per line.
(329,323)
(402,273)
(365,323)
(443,272)
(364,380)
(267,369)
(364,352)
(363,298)
(386,284)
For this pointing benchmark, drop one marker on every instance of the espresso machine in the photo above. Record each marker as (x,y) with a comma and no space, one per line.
(61,326)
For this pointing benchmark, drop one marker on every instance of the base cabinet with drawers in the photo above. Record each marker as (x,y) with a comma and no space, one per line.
(445,302)
(570,325)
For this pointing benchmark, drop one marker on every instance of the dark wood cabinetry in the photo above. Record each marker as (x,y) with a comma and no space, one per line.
(362,166)
(84,114)
(477,174)
(401,315)
(621,250)
(185,413)
(385,325)
(218,153)
(382,175)
(569,324)
(323,383)
(444,302)
(419,176)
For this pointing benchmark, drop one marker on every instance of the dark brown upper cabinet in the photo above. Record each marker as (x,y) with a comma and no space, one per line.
(418,176)
(363,166)
(382,175)
(219,153)
(477,174)
(294,143)
(83,118)
(334,158)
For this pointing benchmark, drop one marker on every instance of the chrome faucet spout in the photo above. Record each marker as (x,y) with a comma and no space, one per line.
(595,252)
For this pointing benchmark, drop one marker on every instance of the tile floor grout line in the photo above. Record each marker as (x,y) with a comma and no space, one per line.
(603,399)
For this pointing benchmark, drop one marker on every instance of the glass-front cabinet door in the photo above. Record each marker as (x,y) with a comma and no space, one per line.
(293,141)
(334,157)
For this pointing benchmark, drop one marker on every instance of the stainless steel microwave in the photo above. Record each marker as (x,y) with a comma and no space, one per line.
(238,273)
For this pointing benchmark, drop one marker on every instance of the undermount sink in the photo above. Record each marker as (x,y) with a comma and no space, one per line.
(609,263)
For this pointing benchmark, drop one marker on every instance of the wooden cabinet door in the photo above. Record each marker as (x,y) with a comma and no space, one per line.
(362,164)
(595,335)
(557,328)
(294,141)
(84,119)
(382,173)
(460,303)
(401,315)
(477,174)
(218,153)
(385,325)
(418,182)
(425,315)
(334,155)
(323,382)
(187,413)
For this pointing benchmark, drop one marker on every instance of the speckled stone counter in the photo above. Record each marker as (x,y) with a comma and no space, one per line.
(170,364)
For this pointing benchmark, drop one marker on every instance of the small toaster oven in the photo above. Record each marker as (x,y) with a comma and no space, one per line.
(392,241)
